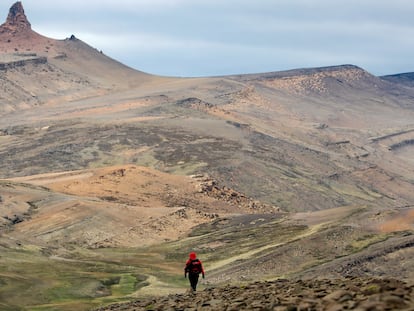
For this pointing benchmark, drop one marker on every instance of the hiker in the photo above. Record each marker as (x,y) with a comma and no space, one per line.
(193,267)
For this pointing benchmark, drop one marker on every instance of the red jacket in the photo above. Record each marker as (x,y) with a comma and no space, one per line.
(193,265)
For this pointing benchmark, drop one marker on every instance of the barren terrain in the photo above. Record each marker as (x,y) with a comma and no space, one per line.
(109,177)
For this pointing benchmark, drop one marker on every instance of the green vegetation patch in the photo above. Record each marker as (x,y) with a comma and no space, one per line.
(365,241)
(30,280)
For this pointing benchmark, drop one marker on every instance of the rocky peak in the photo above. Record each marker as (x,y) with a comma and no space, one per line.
(16,20)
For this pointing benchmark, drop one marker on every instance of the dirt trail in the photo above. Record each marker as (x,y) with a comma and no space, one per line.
(49,178)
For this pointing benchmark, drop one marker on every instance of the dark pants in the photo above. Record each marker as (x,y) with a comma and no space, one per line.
(193,277)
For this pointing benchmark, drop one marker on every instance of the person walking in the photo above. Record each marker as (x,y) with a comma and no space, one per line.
(193,267)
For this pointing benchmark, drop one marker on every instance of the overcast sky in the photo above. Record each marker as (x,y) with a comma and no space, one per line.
(217,37)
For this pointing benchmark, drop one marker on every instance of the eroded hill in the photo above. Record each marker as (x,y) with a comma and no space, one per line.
(299,151)
(36,70)
(125,206)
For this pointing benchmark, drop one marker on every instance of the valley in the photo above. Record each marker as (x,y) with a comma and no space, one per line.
(110,176)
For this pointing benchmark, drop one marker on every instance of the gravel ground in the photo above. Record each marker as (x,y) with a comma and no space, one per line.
(324,294)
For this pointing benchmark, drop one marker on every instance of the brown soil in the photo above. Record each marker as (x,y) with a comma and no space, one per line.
(141,206)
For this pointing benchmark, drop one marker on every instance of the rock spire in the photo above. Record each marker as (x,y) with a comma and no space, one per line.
(16,20)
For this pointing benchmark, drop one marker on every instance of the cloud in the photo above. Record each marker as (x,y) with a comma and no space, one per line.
(200,37)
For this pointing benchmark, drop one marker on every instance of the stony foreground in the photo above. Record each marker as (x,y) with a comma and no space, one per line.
(347,294)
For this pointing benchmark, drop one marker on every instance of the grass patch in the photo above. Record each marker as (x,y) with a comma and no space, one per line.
(125,286)
(365,241)
(31,280)
(353,191)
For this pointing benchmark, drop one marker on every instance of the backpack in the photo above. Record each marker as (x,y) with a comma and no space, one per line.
(194,266)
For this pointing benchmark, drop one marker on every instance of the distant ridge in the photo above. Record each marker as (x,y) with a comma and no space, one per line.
(406,79)
(303,71)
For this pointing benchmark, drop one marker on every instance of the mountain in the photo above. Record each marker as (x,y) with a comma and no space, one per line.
(37,70)
(111,176)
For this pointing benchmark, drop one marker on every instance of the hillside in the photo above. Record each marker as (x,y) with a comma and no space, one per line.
(109,177)
(401,78)
(255,136)
(66,69)
(140,206)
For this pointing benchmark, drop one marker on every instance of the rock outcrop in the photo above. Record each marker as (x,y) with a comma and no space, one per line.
(16,20)
(22,62)
(210,187)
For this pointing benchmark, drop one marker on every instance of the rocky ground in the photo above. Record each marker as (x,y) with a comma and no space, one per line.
(326,294)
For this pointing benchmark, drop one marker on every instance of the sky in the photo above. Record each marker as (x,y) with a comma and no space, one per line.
(193,38)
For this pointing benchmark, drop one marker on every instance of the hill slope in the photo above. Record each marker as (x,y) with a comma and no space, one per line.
(259,136)
(68,69)
(406,79)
